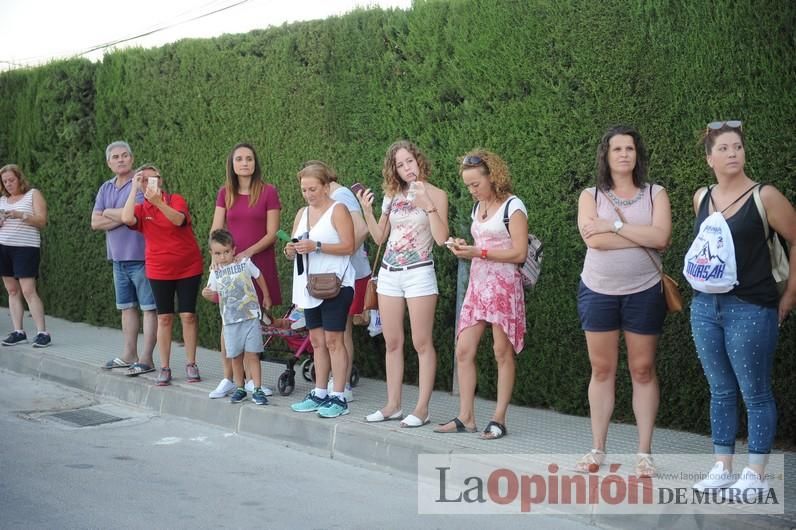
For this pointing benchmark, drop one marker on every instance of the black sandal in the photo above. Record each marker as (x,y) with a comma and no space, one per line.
(460,427)
(494,430)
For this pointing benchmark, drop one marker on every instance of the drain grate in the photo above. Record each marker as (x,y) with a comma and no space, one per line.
(85,417)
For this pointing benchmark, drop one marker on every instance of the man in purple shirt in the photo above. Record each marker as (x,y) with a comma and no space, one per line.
(126,252)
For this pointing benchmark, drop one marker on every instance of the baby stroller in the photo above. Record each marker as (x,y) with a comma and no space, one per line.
(296,338)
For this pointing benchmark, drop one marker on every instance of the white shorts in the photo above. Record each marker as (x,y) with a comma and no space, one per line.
(240,337)
(411,283)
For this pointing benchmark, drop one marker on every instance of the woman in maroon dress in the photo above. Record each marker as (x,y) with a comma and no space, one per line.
(249,208)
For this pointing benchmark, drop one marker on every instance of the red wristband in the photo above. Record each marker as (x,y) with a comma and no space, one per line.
(483,253)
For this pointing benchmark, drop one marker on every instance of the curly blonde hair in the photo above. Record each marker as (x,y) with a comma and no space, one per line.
(24,185)
(393,184)
(492,166)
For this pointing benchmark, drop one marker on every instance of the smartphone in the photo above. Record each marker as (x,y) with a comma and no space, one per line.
(357,187)
(152,183)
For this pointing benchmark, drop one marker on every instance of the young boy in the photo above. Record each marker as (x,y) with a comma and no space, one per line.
(240,311)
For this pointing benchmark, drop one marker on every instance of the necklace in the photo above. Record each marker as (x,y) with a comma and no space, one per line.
(486,210)
(625,202)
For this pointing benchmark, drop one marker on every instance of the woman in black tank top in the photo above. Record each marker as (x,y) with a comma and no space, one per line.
(735,333)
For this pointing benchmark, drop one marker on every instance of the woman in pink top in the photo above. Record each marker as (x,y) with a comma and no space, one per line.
(495,296)
(249,208)
(620,288)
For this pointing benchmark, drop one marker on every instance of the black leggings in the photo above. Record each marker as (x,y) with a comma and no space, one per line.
(186,290)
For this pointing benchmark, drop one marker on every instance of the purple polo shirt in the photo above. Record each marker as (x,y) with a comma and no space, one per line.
(122,243)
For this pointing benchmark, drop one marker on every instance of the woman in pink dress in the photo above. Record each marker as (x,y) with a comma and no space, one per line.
(495,295)
(249,208)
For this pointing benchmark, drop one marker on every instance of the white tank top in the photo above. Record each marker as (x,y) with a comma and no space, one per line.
(16,232)
(324,232)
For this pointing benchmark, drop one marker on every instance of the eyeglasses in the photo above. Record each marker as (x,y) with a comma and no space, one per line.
(472,161)
(732,124)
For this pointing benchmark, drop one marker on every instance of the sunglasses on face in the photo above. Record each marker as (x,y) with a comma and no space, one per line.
(732,124)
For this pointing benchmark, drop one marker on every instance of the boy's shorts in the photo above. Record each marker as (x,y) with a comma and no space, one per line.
(240,337)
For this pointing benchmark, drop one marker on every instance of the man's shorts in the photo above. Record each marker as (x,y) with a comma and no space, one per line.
(132,287)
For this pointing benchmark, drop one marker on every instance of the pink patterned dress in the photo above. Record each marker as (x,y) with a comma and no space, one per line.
(495,293)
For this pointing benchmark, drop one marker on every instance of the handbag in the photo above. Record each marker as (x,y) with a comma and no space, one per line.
(323,285)
(371,297)
(671,291)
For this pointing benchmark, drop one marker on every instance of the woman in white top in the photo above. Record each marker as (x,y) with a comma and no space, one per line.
(323,241)
(620,288)
(23,213)
(414,216)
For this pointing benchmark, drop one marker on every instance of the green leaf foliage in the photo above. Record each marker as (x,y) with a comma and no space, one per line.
(536,81)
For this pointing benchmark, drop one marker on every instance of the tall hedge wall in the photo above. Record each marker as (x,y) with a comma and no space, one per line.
(537,81)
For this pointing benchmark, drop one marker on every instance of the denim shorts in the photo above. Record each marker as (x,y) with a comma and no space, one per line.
(408,283)
(241,337)
(19,262)
(132,287)
(641,312)
(332,314)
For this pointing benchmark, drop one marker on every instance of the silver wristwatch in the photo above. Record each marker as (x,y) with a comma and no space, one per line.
(618,224)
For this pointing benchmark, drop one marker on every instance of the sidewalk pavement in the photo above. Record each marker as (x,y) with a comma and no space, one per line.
(78,350)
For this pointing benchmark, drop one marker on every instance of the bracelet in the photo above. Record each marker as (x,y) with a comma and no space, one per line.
(483,253)
(431,211)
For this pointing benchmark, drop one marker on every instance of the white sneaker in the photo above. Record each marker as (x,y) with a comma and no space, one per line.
(224,388)
(249,386)
(717,478)
(300,323)
(747,489)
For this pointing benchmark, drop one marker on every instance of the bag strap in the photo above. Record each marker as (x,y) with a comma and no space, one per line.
(375,270)
(649,254)
(761,209)
(506,219)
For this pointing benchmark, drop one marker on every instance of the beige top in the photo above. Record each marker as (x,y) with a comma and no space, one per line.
(626,270)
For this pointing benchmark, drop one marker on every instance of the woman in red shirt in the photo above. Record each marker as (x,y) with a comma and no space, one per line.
(173,263)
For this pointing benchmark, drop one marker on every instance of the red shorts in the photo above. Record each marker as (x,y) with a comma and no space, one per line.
(360,286)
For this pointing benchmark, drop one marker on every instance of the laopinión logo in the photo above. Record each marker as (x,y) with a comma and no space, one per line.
(545,484)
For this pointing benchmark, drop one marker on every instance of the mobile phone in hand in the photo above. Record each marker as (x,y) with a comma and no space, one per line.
(357,187)
(152,183)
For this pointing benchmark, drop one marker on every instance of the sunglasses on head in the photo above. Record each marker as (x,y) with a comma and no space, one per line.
(732,124)
(472,161)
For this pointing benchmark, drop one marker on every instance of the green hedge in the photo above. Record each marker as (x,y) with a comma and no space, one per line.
(536,81)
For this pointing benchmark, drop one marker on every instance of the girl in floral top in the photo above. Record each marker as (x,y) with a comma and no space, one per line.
(495,295)
(414,216)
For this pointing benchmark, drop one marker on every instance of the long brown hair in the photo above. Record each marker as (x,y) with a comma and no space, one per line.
(24,185)
(232,185)
(392,182)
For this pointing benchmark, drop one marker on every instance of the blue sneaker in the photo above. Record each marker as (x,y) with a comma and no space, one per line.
(238,396)
(258,396)
(333,408)
(15,337)
(311,403)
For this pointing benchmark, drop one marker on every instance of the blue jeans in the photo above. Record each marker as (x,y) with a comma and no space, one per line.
(735,341)
(132,287)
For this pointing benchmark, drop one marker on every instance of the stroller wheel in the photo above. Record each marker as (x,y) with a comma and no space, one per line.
(306,366)
(312,372)
(285,384)
(354,376)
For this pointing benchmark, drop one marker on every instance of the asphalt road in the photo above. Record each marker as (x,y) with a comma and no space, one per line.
(149,471)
